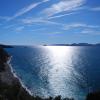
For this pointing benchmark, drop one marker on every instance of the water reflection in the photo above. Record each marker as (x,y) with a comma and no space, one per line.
(50,70)
(60,71)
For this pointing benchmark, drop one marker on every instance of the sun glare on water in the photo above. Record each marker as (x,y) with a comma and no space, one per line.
(60,71)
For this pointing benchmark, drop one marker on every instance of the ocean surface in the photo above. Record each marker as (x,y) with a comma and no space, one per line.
(69,71)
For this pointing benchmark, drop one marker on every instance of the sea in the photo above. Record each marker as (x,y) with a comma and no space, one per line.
(69,71)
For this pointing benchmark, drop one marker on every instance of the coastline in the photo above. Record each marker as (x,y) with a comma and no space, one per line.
(15,75)
(12,84)
(12,88)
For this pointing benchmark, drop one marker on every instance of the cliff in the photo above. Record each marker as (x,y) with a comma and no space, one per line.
(11,88)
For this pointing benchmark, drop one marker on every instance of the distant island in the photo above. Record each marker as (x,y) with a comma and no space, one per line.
(5,46)
(74,44)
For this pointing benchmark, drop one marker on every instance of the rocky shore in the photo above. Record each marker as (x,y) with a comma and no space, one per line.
(11,88)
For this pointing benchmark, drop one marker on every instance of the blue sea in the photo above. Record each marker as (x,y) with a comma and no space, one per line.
(69,71)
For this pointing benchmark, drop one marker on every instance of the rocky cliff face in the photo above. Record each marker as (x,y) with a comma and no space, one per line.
(10,87)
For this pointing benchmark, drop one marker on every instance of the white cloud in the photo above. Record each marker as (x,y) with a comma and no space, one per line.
(54,33)
(20,28)
(85,29)
(79,25)
(4,18)
(46,0)
(61,15)
(26,9)
(95,9)
(90,32)
(10,26)
(39,29)
(63,5)
(38,20)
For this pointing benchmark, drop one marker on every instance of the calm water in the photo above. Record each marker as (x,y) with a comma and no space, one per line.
(58,70)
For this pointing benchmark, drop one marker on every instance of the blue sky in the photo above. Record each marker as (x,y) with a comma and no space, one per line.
(29,22)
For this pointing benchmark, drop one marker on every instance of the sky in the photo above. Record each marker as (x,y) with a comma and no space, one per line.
(29,22)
